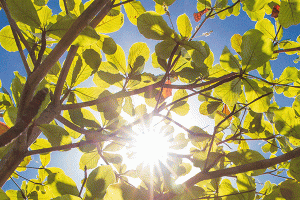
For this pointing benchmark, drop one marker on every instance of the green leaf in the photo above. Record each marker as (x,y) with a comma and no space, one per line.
(266,27)
(152,26)
(40,2)
(289,13)
(229,92)
(110,24)
(23,164)
(98,181)
(14,195)
(165,48)
(256,48)
(179,141)
(245,156)
(133,10)
(118,60)
(113,158)
(229,62)
(25,12)
(255,15)
(286,122)
(254,5)
(112,108)
(83,67)
(289,75)
(123,191)
(253,92)
(138,55)
(290,189)
(128,106)
(3,196)
(197,51)
(294,168)
(42,144)
(182,107)
(17,87)
(246,183)
(105,79)
(59,184)
(7,40)
(236,42)
(67,197)
(86,37)
(227,189)
(89,93)
(107,44)
(74,6)
(166,2)
(184,26)
(10,116)
(113,146)
(56,135)
(89,160)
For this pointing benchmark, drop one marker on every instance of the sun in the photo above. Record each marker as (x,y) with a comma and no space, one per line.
(150,146)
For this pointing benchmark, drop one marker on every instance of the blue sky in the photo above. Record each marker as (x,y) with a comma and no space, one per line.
(223,30)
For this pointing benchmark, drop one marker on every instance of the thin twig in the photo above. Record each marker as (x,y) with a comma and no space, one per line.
(184,128)
(42,50)
(84,181)
(225,8)
(227,117)
(166,74)
(16,28)
(277,34)
(14,31)
(27,179)
(124,2)
(22,193)
(66,7)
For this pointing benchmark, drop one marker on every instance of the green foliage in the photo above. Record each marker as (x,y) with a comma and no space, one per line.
(102,97)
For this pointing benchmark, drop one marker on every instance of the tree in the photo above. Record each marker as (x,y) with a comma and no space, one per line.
(237,94)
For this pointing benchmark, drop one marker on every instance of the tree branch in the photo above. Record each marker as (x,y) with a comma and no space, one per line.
(262,164)
(80,23)
(227,117)
(123,94)
(287,50)
(63,74)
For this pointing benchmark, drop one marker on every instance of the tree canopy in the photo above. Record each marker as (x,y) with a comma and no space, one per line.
(100,100)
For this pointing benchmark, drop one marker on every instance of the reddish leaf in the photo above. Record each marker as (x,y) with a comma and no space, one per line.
(275,11)
(226,111)
(167,92)
(3,128)
(198,15)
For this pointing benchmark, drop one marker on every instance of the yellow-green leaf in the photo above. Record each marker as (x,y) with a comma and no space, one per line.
(289,13)
(256,48)
(184,26)
(152,26)
(133,10)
